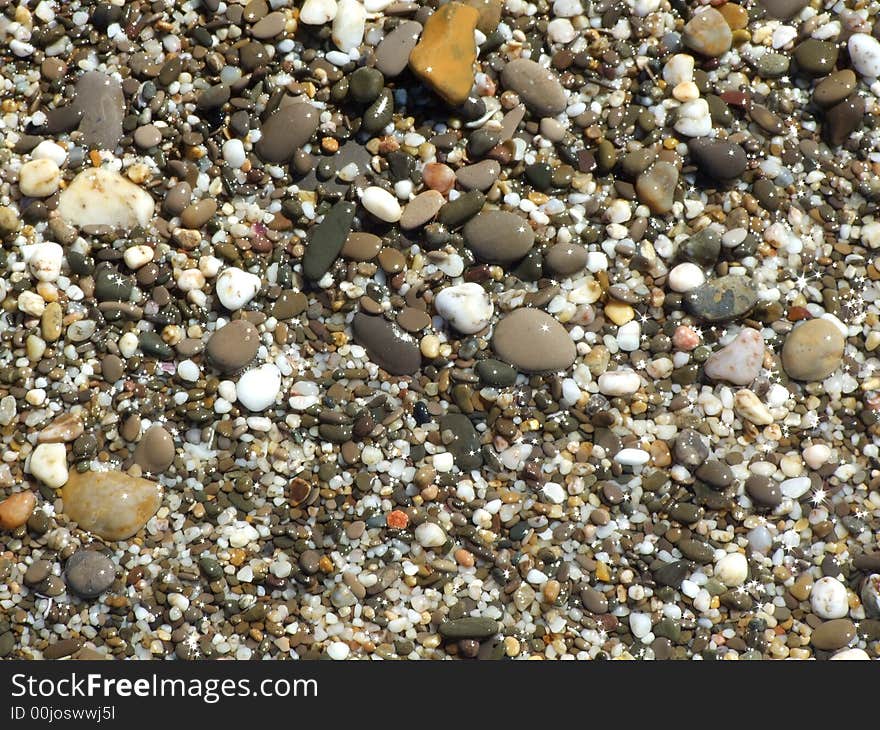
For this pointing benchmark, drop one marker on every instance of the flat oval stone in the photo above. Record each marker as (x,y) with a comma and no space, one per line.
(843,119)
(718,159)
(285,131)
(197,214)
(469,627)
(155,451)
(533,342)
(834,634)
(112,504)
(565,259)
(89,573)
(421,209)
(722,299)
(479,176)
(499,236)
(361,246)
(537,86)
(327,239)
(392,53)
(816,57)
(100,101)
(763,491)
(834,88)
(813,350)
(388,345)
(783,9)
(233,346)
(496,373)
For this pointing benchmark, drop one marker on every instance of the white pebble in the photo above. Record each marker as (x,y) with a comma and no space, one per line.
(795,488)
(732,569)
(554,492)
(864,52)
(44,260)
(48,463)
(430,534)
(632,457)
(629,336)
(49,150)
(317,12)
(685,277)
(851,655)
(137,256)
(39,178)
(817,455)
(233,152)
(828,598)
(381,204)
(348,25)
(443,462)
(188,371)
(467,307)
(694,119)
(619,382)
(679,69)
(338,650)
(640,624)
(257,389)
(235,287)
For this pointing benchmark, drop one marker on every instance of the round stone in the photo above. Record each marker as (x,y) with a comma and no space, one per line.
(233,346)
(155,450)
(763,491)
(533,341)
(89,573)
(828,598)
(813,350)
(499,236)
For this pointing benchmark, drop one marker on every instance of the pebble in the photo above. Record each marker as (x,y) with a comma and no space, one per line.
(834,88)
(740,361)
(89,573)
(479,176)
(112,504)
(747,405)
(318,12)
(48,463)
(235,288)
(100,102)
(719,159)
(467,307)
(286,131)
(100,197)
(764,491)
(817,455)
(499,236)
(619,382)
(430,535)
(783,9)
(533,341)
(864,53)
(469,627)
(708,33)
(327,240)
(233,346)
(65,428)
(828,599)
(39,178)
(421,209)
(843,119)
(16,509)
(155,450)
(732,569)
(258,388)
(656,186)
(686,277)
(445,54)
(361,246)
(723,299)
(693,119)
(566,259)
(349,25)
(855,654)
(392,53)
(813,350)
(537,86)
(388,345)
(44,260)
(382,204)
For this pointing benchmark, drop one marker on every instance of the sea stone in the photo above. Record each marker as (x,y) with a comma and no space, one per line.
(722,299)
(533,342)
(112,504)
(100,102)
(499,236)
(740,361)
(65,428)
(708,33)
(465,443)
(444,57)
(392,53)
(101,197)
(155,451)
(89,573)
(718,159)
(388,345)
(656,186)
(233,346)
(538,87)
(285,131)
(813,350)
(15,509)
(467,307)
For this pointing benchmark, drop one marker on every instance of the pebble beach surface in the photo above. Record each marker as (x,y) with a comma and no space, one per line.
(482,329)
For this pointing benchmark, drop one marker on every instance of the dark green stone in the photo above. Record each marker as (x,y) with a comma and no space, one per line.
(465,445)
(327,240)
(469,628)
(457,212)
(496,373)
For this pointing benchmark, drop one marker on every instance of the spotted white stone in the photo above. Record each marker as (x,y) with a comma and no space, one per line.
(467,307)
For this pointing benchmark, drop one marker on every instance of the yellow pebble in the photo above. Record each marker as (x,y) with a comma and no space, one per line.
(602,572)
(430,346)
(619,313)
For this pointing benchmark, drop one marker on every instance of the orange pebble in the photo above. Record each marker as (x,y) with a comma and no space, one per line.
(465,558)
(15,510)
(397,519)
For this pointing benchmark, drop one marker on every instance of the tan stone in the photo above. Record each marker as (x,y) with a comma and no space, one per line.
(111,504)
(444,57)
(15,510)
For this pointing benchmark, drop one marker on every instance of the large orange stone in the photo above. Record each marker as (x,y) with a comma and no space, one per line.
(444,57)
